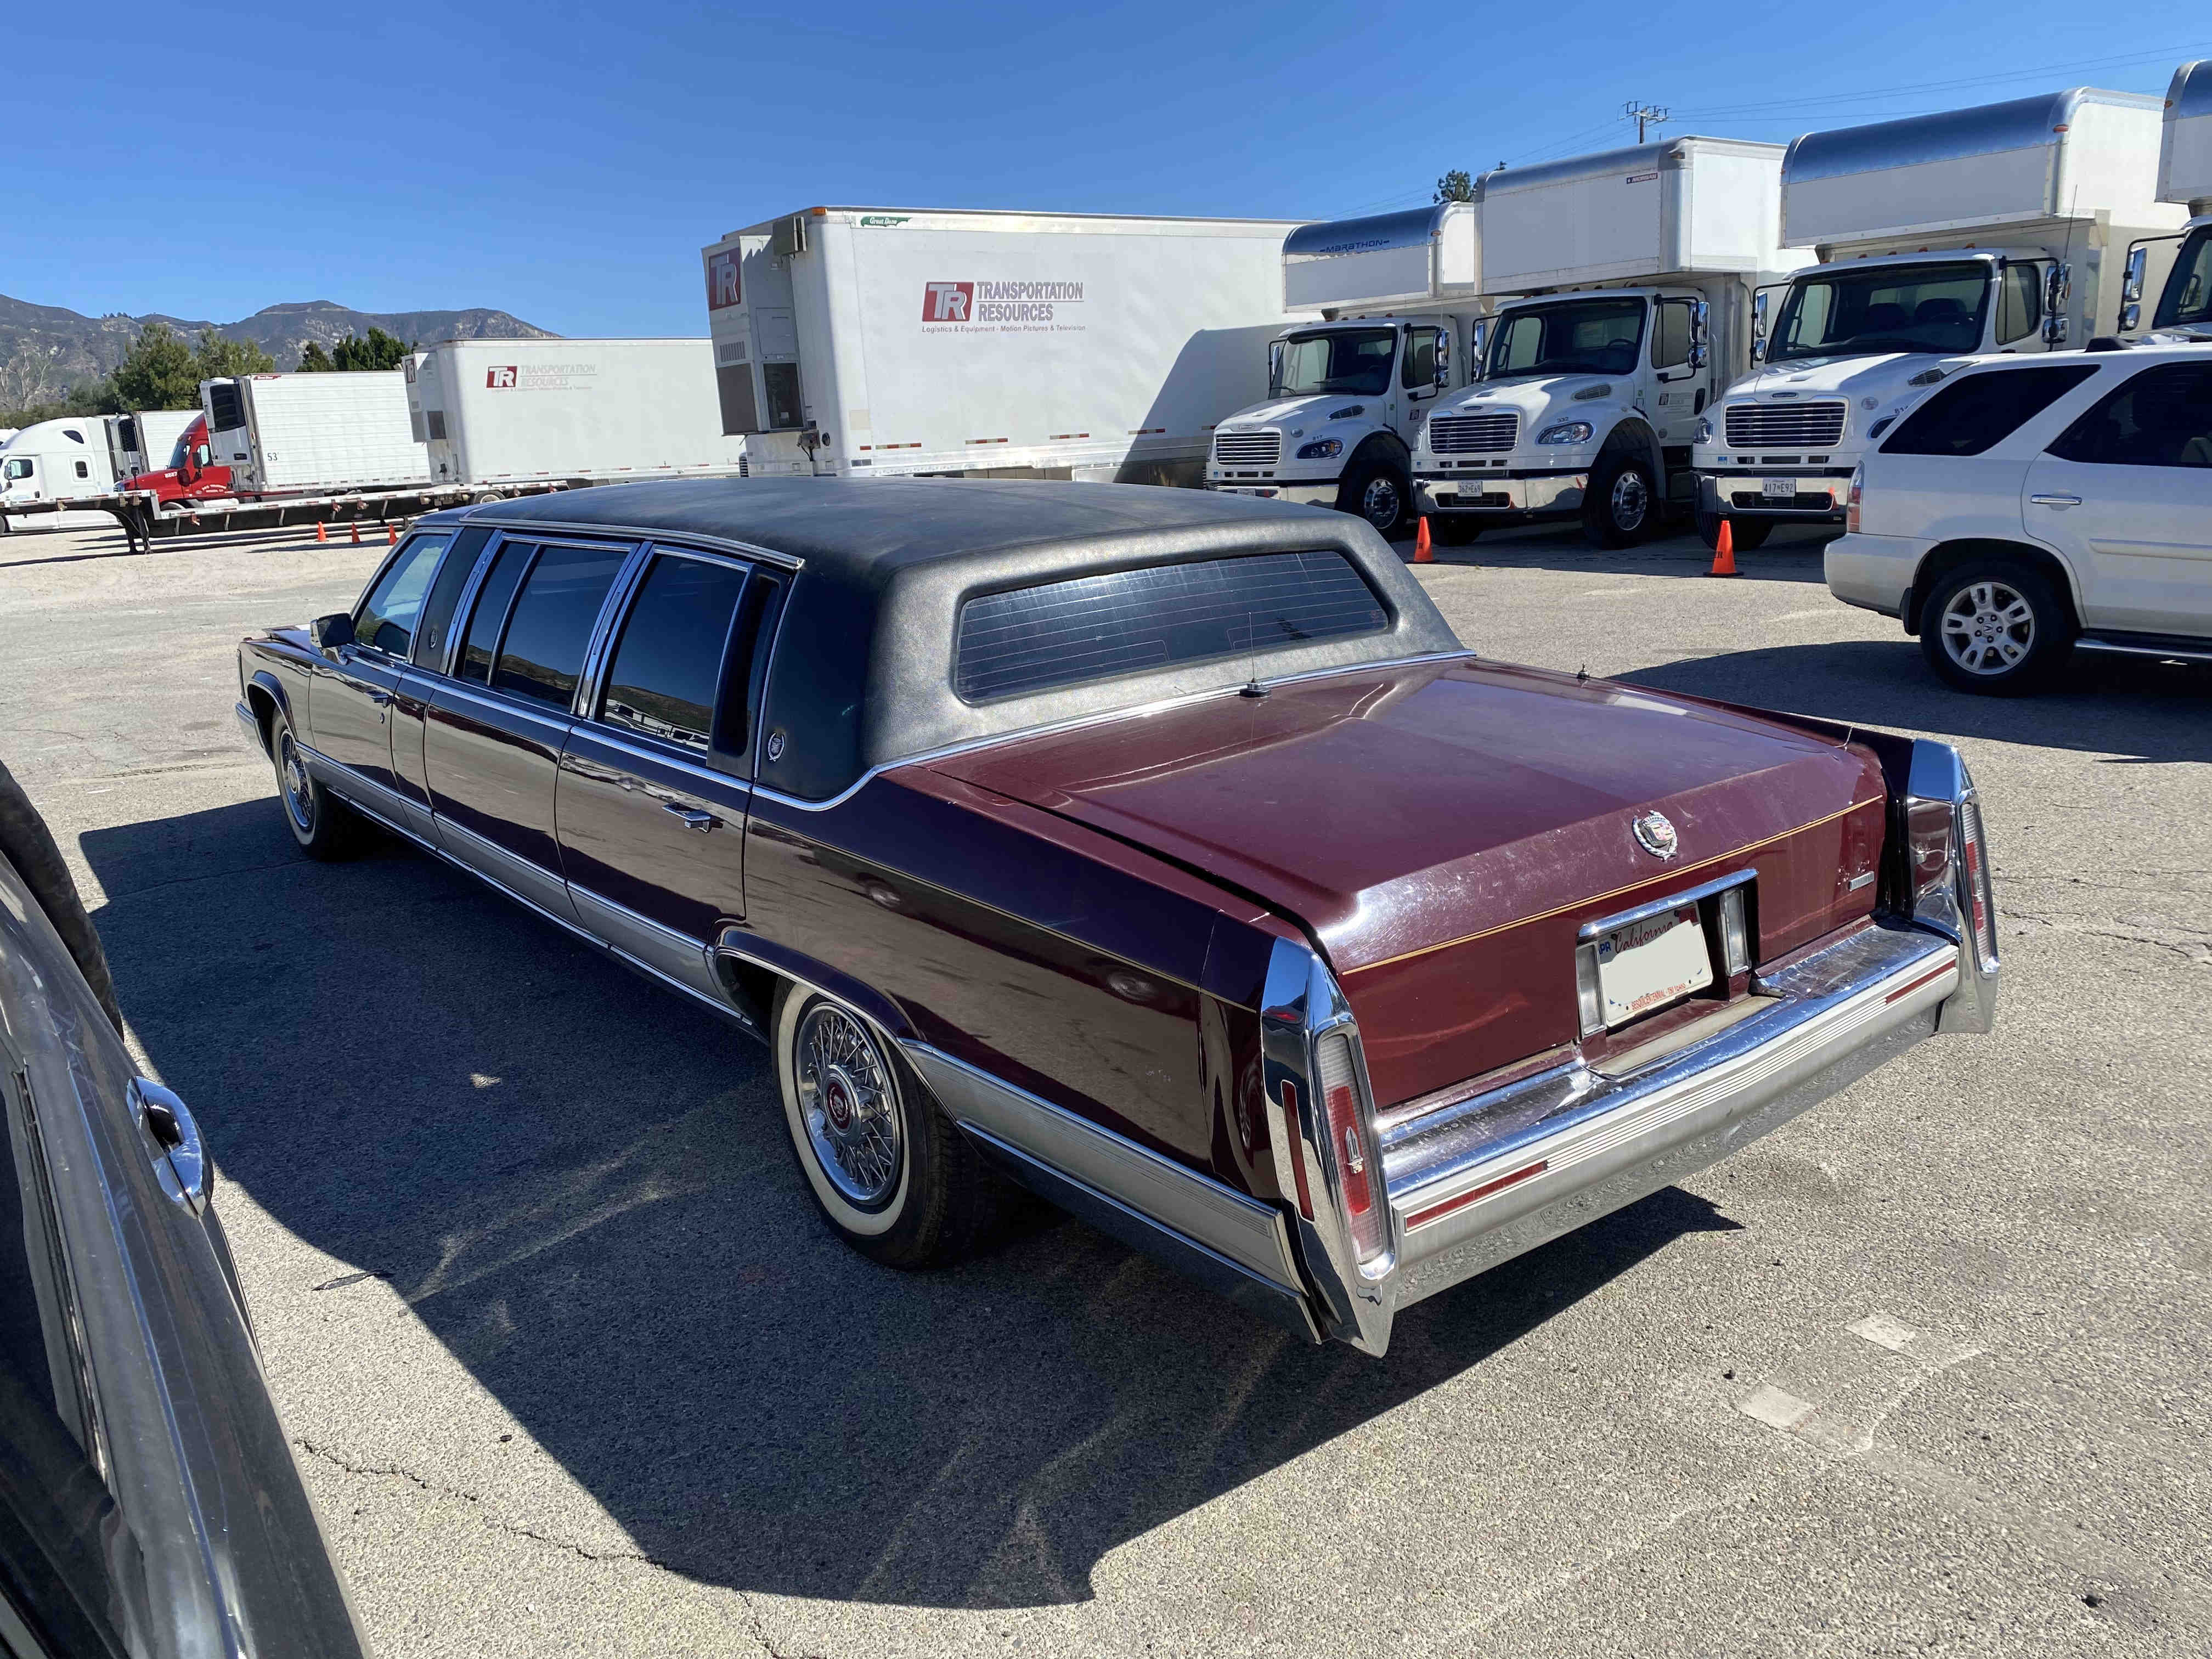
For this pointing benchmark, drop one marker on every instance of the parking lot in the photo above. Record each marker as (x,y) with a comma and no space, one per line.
(571,1366)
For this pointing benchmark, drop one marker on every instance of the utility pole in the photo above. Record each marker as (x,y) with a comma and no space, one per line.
(1644,115)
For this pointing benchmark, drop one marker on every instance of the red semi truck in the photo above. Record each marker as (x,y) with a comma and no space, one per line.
(192,474)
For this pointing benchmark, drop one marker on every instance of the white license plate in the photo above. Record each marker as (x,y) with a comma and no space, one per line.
(1783,489)
(1651,963)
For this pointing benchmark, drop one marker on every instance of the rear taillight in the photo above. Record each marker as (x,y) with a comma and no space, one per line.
(1851,501)
(1974,876)
(1350,1148)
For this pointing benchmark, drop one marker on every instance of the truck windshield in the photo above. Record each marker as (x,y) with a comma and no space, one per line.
(2188,297)
(1857,313)
(1341,360)
(191,435)
(1575,337)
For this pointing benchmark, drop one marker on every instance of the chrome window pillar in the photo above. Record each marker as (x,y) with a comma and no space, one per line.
(1939,776)
(1301,1004)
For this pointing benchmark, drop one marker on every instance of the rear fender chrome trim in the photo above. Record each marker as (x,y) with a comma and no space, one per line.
(1938,773)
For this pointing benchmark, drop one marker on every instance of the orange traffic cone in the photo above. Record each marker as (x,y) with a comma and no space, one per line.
(1723,552)
(1422,552)
(322,534)
(392,535)
(357,532)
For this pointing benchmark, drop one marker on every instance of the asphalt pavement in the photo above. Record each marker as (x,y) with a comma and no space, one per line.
(572,1368)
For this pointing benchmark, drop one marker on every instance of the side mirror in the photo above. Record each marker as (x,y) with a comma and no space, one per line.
(2130,318)
(2131,285)
(1478,350)
(1274,365)
(1443,357)
(331,631)
(1700,318)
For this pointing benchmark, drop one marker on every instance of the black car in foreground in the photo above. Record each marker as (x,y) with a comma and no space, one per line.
(149,1505)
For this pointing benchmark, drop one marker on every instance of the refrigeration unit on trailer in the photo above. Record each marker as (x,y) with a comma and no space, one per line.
(869,342)
(59,460)
(140,441)
(1623,281)
(1396,295)
(2183,310)
(300,433)
(498,412)
(1999,229)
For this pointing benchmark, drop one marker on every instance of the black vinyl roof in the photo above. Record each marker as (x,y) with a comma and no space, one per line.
(863,670)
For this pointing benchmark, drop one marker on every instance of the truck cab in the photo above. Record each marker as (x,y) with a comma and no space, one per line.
(58,460)
(1345,402)
(192,474)
(1996,230)
(2184,308)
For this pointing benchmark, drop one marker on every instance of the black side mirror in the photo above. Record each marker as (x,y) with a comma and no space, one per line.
(332,631)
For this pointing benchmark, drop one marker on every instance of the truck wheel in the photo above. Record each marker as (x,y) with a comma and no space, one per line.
(1378,492)
(1995,627)
(322,824)
(1621,501)
(888,1170)
(1748,533)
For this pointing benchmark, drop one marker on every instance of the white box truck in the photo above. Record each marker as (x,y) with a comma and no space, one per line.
(1397,295)
(293,435)
(2183,310)
(1634,272)
(496,412)
(1999,229)
(873,343)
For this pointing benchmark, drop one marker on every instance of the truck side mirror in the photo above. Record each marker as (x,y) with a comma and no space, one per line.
(1700,318)
(1274,366)
(331,631)
(1478,350)
(2131,285)
(1443,357)
(2130,318)
(1759,327)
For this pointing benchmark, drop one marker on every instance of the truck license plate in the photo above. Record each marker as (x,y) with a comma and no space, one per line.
(1778,489)
(1649,963)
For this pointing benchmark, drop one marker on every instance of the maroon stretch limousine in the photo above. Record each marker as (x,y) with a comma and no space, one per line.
(1164,851)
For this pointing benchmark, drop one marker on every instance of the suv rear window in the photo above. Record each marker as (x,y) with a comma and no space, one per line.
(1031,639)
(1976,412)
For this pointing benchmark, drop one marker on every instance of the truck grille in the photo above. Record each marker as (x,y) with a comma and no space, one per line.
(1247,448)
(1785,426)
(1472,434)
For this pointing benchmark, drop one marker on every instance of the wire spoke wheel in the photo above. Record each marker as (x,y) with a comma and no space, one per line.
(1988,628)
(292,777)
(849,1105)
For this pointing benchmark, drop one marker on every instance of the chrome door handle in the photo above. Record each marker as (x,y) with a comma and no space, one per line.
(181,1165)
(693,817)
(2056,500)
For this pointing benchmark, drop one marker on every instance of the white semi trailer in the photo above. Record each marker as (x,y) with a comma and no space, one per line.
(1634,272)
(1396,296)
(1999,229)
(505,412)
(287,434)
(2185,180)
(874,343)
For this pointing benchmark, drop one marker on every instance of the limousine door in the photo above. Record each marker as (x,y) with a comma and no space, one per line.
(494,732)
(349,707)
(654,791)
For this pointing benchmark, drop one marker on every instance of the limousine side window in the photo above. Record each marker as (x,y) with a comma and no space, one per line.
(668,660)
(490,613)
(432,632)
(550,627)
(386,617)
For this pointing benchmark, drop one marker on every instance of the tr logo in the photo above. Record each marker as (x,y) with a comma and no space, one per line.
(722,285)
(947,303)
(499,376)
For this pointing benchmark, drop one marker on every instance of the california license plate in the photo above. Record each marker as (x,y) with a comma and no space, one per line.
(1649,963)
(1778,489)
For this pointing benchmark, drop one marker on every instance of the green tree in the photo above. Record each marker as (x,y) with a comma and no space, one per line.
(158,372)
(220,356)
(313,360)
(380,351)
(1456,186)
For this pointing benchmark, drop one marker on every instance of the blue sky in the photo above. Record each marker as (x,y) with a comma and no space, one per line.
(567,162)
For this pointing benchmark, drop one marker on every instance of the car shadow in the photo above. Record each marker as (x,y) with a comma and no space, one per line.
(2135,711)
(1792,554)
(581,1185)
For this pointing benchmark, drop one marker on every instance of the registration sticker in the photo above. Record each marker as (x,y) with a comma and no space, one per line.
(1649,963)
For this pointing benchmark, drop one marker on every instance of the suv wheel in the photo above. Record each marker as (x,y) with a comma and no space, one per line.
(1622,500)
(1379,493)
(1995,627)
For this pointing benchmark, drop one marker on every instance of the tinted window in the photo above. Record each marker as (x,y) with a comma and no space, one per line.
(386,617)
(1093,626)
(433,634)
(544,650)
(1420,357)
(1884,308)
(489,613)
(2188,297)
(2020,303)
(1670,345)
(1575,337)
(1976,411)
(670,658)
(2163,418)
(1348,363)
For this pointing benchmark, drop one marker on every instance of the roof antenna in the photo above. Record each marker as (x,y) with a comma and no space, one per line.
(1582,673)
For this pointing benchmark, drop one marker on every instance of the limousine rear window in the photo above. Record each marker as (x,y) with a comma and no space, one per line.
(550,627)
(670,658)
(1031,639)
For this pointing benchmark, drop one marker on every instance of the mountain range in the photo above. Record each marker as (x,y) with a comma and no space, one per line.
(47,350)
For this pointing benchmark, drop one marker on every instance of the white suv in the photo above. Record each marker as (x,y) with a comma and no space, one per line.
(2030,506)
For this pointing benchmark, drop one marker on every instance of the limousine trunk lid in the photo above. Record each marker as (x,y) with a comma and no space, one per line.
(1443,830)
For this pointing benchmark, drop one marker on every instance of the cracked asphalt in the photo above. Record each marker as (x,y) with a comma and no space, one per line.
(570,1367)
